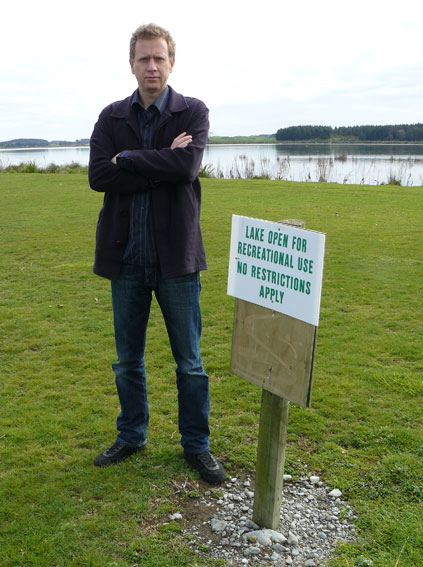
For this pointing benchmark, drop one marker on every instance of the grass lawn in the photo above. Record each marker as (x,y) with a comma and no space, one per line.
(363,433)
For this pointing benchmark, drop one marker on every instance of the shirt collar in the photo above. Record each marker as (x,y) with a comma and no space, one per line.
(160,102)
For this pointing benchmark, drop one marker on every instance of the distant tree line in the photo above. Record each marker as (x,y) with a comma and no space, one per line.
(389,133)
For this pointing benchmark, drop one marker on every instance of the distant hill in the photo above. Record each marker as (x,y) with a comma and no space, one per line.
(40,143)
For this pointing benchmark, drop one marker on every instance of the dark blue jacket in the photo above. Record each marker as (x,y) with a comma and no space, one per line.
(171,175)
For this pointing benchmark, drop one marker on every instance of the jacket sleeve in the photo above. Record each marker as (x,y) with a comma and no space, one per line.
(180,165)
(103,175)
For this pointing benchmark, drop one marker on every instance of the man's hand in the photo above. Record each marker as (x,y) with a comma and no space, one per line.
(181,141)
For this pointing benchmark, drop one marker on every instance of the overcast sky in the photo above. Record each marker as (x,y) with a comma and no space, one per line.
(258,66)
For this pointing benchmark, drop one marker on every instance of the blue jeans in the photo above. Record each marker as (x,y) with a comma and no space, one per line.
(179,302)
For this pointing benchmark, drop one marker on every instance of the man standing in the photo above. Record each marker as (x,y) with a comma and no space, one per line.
(145,155)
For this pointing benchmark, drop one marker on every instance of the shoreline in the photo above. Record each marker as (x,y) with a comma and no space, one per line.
(230,143)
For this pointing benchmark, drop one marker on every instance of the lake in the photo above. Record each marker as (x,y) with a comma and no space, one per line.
(370,164)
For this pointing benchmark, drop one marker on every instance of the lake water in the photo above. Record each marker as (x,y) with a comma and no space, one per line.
(371,164)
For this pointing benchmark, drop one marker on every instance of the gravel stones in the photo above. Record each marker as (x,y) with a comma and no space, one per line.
(313,519)
(218,525)
(292,539)
(264,537)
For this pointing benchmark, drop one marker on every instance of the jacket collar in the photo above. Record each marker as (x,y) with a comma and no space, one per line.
(176,103)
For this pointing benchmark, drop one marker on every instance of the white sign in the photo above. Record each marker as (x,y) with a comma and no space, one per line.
(277,266)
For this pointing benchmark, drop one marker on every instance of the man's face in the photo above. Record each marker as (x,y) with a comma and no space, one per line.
(151,66)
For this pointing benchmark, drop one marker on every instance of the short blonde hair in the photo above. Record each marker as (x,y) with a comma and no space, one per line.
(151,31)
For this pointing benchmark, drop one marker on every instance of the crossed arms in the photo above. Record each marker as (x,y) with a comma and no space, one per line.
(180,141)
(141,168)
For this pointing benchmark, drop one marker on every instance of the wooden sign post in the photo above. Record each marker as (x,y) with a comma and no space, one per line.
(270,460)
(269,347)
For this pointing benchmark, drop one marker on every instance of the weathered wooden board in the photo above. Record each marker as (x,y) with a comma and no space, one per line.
(274,351)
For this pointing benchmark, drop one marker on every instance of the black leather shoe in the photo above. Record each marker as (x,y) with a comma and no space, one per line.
(207,465)
(115,454)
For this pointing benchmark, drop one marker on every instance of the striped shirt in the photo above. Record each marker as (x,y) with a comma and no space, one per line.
(141,248)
